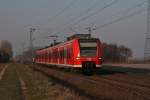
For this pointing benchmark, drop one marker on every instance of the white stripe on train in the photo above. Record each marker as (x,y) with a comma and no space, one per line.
(75,66)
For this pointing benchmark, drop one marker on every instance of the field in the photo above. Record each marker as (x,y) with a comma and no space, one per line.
(36,82)
(21,82)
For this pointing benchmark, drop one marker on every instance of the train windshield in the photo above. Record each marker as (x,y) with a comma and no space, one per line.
(88,48)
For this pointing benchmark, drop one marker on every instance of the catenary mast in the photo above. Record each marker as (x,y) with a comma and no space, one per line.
(147,38)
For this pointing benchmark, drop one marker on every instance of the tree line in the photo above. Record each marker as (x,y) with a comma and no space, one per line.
(115,53)
(111,53)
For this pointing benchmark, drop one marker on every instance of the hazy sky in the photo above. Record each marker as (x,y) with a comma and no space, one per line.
(62,17)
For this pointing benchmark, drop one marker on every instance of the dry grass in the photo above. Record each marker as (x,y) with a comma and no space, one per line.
(2,72)
(40,87)
(102,88)
(9,85)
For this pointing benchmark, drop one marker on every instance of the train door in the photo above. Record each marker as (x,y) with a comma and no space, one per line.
(58,54)
(55,55)
(49,56)
(52,56)
(65,55)
(61,55)
(69,54)
(44,56)
(40,57)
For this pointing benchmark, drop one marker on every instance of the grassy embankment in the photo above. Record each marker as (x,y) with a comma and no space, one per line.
(41,87)
(9,85)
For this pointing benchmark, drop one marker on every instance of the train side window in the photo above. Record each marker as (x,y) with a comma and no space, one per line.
(60,54)
(40,56)
(57,54)
(71,50)
(68,53)
(49,55)
(46,55)
(53,54)
(65,53)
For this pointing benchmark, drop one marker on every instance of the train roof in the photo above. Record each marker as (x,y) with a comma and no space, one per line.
(79,36)
(75,36)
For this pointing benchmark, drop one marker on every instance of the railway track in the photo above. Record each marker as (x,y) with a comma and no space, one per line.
(123,83)
(122,79)
(135,86)
(1,66)
(101,87)
(2,70)
(118,77)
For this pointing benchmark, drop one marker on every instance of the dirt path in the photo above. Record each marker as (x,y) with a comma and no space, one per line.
(2,72)
(9,85)
(1,66)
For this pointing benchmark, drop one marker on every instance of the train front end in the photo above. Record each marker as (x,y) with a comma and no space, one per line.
(88,55)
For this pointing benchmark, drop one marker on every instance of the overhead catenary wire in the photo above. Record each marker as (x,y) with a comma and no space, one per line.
(106,6)
(147,35)
(124,12)
(60,12)
(91,14)
(96,12)
(83,13)
(122,18)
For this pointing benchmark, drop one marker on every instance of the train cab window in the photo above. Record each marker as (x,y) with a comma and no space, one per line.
(88,48)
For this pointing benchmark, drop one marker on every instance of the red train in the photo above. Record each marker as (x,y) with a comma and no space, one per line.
(80,51)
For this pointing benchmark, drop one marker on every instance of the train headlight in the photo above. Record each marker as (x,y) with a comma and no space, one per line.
(99,58)
(78,58)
